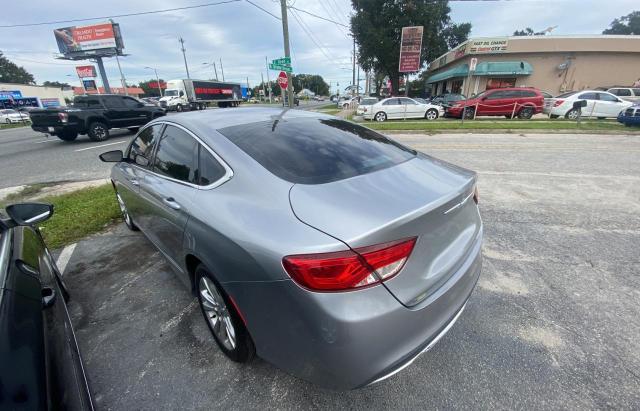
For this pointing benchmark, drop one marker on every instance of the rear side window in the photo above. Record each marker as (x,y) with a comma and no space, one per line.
(316,151)
(588,96)
(391,102)
(87,103)
(209,170)
(177,155)
(142,147)
(636,91)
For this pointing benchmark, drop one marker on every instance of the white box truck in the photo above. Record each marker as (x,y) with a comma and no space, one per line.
(186,94)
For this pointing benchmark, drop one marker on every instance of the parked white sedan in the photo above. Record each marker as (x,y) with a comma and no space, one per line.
(401,108)
(600,104)
(9,116)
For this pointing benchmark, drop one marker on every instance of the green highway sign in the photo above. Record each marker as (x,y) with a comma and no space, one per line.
(281,67)
(286,61)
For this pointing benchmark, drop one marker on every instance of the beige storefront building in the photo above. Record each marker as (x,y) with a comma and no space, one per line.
(554,64)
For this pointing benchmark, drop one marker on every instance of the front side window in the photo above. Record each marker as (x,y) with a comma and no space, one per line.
(607,97)
(407,102)
(496,95)
(177,155)
(131,103)
(316,151)
(636,91)
(391,102)
(113,102)
(142,147)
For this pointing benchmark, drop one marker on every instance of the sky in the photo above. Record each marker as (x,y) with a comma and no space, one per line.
(242,35)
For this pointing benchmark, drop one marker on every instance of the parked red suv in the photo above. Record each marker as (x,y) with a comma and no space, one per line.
(523,102)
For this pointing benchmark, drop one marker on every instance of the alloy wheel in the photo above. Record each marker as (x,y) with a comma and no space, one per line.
(431,114)
(100,132)
(217,313)
(381,116)
(123,210)
(572,115)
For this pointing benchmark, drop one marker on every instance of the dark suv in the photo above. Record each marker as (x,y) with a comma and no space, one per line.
(523,102)
(94,115)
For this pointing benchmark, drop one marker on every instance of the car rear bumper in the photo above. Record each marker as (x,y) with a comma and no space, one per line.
(351,339)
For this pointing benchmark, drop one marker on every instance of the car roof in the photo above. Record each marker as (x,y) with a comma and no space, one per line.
(221,118)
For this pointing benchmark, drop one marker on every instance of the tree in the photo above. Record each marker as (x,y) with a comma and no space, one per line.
(12,73)
(529,32)
(313,82)
(55,84)
(150,87)
(629,24)
(377,27)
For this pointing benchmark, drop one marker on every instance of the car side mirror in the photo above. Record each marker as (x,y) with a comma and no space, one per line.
(113,156)
(29,213)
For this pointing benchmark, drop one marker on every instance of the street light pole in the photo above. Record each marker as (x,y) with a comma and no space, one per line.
(221,69)
(157,79)
(268,79)
(287,50)
(122,79)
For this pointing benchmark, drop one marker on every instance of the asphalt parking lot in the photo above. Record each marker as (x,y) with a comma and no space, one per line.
(553,324)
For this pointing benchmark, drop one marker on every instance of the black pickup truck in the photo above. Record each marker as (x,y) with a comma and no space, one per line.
(94,115)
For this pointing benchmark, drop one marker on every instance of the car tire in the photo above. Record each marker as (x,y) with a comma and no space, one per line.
(126,217)
(431,114)
(380,116)
(98,131)
(525,113)
(224,321)
(179,108)
(571,114)
(553,116)
(8,121)
(468,113)
(67,135)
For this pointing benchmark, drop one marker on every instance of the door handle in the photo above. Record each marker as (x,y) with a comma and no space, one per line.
(171,202)
(48,297)
(134,182)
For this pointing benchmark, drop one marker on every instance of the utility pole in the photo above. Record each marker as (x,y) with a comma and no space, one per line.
(287,50)
(221,69)
(157,79)
(264,88)
(358,83)
(353,81)
(122,79)
(185,57)
(266,63)
(215,70)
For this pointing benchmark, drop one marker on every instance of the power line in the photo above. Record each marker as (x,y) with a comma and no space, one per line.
(318,17)
(44,23)
(308,33)
(266,11)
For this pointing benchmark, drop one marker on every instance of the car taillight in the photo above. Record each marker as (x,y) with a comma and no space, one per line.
(64,117)
(347,270)
(557,103)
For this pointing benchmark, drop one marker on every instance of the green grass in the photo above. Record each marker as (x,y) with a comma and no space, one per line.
(13,125)
(329,106)
(79,214)
(599,125)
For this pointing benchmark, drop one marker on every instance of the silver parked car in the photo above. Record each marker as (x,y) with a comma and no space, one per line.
(327,249)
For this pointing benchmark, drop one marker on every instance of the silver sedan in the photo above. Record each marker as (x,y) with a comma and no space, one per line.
(327,249)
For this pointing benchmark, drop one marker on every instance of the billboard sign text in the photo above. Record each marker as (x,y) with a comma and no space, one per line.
(410,48)
(86,71)
(490,45)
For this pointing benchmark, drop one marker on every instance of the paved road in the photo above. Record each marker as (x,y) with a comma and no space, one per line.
(553,324)
(28,157)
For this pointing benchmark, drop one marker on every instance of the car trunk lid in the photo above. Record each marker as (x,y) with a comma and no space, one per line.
(423,197)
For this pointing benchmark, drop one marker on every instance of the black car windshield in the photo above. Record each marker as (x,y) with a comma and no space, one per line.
(316,151)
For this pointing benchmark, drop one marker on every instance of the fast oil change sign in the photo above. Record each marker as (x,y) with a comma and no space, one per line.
(492,45)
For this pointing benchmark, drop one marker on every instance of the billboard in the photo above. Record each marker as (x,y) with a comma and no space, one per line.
(410,48)
(86,71)
(77,40)
(89,85)
(210,90)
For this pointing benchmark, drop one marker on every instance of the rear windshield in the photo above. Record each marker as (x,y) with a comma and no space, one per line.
(316,151)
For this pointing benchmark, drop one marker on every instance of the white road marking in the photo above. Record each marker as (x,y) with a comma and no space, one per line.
(65,255)
(46,141)
(102,145)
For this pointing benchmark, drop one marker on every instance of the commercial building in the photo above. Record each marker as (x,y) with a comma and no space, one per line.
(132,91)
(22,95)
(554,64)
